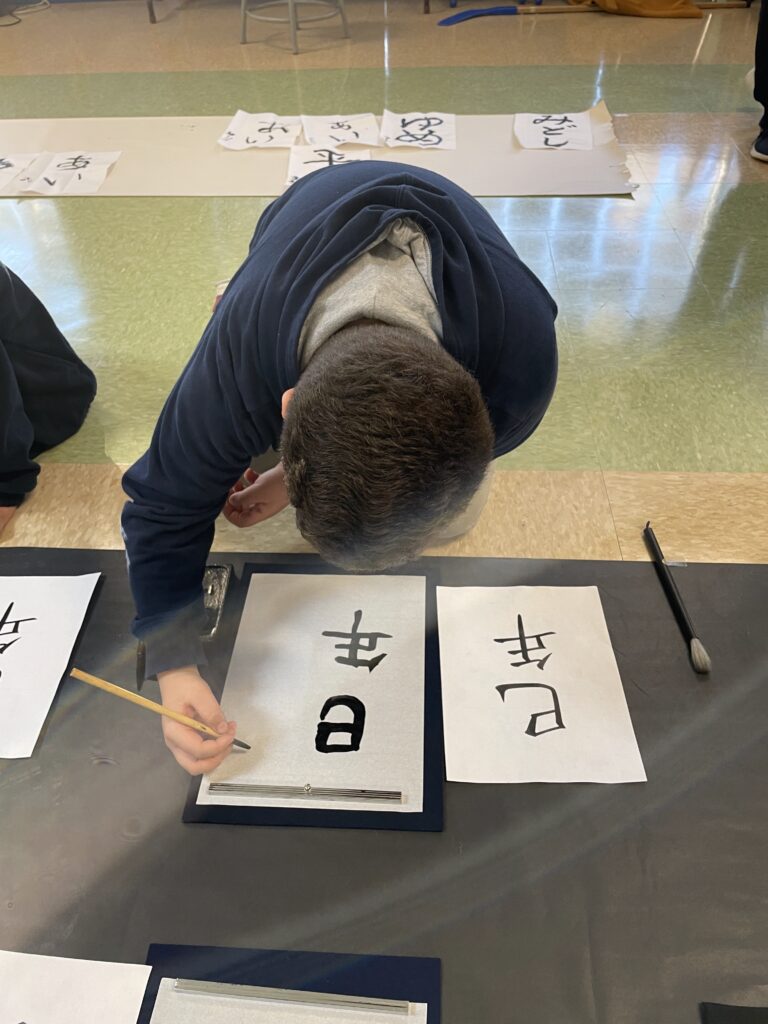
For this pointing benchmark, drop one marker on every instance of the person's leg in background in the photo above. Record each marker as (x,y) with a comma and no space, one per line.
(45,389)
(760,147)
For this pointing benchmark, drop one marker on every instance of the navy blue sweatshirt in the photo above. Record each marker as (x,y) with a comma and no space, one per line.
(497,318)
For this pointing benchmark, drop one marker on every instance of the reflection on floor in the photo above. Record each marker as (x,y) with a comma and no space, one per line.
(660,410)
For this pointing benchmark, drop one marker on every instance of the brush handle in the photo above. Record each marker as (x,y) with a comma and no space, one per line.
(668,583)
(149,705)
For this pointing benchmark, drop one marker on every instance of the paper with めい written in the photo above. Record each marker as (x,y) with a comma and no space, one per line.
(260,131)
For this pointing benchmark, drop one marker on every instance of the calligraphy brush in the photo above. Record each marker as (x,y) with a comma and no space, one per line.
(150,705)
(699,657)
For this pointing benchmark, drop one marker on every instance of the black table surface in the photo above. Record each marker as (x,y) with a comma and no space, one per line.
(548,904)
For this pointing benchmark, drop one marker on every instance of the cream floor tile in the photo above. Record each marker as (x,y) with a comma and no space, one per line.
(200,35)
(542,514)
(699,517)
(73,506)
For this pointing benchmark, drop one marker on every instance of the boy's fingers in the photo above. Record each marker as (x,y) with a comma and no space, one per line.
(189,764)
(182,738)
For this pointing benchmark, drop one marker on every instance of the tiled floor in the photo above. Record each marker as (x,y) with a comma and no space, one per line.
(660,409)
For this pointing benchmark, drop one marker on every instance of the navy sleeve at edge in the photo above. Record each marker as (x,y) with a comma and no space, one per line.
(203,441)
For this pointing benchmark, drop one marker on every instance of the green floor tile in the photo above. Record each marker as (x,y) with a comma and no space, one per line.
(625,88)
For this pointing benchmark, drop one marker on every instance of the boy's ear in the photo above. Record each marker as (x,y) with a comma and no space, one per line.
(286,401)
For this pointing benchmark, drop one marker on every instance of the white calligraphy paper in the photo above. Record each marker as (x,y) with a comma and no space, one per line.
(53,990)
(305,159)
(11,166)
(260,131)
(303,641)
(73,173)
(425,131)
(40,617)
(531,689)
(341,129)
(177,1007)
(554,131)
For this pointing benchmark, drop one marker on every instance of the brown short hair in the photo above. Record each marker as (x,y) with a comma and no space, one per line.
(385,440)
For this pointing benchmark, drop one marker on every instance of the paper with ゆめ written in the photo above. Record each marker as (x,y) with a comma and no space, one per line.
(531,688)
(341,129)
(305,159)
(260,131)
(179,1007)
(69,174)
(40,617)
(53,990)
(11,166)
(424,131)
(326,682)
(554,131)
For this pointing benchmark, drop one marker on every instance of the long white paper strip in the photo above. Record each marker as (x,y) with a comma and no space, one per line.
(70,174)
(260,131)
(531,689)
(554,131)
(53,990)
(424,131)
(341,129)
(173,1007)
(40,617)
(173,156)
(305,159)
(291,658)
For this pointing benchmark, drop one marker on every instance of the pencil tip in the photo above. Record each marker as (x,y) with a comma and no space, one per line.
(699,657)
(243,746)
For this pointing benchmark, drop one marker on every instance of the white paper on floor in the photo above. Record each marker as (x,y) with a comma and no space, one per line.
(305,159)
(58,991)
(326,682)
(554,131)
(40,617)
(73,173)
(11,166)
(341,129)
(176,1007)
(173,156)
(424,131)
(531,688)
(260,131)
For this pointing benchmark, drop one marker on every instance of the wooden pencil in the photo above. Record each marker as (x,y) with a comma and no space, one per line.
(150,705)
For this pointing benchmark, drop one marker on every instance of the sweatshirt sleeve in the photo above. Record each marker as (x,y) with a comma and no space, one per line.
(202,443)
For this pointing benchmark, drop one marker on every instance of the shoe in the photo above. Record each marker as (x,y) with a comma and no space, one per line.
(760,148)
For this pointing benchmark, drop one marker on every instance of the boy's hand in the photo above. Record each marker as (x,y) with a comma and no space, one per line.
(259,498)
(184,690)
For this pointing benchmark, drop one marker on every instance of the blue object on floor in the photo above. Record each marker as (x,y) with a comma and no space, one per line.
(454,19)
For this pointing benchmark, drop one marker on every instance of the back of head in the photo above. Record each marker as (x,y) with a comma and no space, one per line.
(385,440)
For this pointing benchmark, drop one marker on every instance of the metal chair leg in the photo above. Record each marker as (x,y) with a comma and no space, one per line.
(294,24)
(151,11)
(343,14)
(243,21)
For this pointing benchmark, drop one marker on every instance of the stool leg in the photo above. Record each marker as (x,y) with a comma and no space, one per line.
(343,14)
(294,24)
(151,10)
(243,20)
